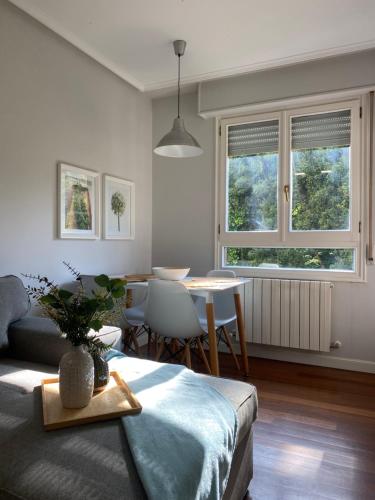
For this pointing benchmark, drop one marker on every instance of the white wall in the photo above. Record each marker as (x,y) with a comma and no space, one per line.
(183,234)
(183,193)
(322,75)
(58,104)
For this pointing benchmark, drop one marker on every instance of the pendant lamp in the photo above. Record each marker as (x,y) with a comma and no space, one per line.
(178,143)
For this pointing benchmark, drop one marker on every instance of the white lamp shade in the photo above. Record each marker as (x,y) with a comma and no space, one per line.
(178,143)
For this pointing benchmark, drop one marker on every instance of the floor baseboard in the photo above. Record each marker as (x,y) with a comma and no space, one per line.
(308,358)
(296,356)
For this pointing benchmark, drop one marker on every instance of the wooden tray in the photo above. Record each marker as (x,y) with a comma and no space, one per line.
(115,401)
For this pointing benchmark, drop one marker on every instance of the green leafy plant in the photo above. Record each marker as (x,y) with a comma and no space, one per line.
(76,313)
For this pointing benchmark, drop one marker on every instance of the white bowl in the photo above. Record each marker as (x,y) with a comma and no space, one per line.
(171,273)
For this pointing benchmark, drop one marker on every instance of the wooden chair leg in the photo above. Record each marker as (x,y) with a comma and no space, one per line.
(129,297)
(160,350)
(174,349)
(183,356)
(230,346)
(174,346)
(203,355)
(187,354)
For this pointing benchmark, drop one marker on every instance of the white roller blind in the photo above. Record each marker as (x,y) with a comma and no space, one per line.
(249,139)
(322,130)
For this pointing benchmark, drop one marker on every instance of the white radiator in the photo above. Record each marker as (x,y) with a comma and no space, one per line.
(288,313)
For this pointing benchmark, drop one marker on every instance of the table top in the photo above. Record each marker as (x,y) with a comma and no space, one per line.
(212,284)
(194,284)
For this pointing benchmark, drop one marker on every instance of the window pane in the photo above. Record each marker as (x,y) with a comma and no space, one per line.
(321,172)
(336,259)
(252,176)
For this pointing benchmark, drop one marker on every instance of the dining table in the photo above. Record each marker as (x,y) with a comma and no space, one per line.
(206,287)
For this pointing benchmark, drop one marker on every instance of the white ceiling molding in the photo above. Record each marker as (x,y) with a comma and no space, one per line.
(131,38)
(271,64)
(186,88)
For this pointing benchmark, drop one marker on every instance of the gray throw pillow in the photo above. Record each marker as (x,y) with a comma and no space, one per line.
(14,305)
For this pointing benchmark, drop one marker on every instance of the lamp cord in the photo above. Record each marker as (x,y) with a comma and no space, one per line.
(178,87)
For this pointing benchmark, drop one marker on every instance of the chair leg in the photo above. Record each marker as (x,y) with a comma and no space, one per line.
(219,336)
(160,350)
(149,340)
(133,335)
(187,354)
(154,344)
(230,347)
(183,356)
(174,346)
(203,354)
(126,340)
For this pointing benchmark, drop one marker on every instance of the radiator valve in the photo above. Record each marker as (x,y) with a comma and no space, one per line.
(336,345)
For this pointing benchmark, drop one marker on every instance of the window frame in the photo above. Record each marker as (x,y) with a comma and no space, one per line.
(283,237)
(241,237)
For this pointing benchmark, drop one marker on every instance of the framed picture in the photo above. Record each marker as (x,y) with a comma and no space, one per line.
(118,209)
(78,202)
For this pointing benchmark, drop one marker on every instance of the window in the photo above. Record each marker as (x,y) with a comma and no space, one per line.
(253,164)
(290,193)
(320,154)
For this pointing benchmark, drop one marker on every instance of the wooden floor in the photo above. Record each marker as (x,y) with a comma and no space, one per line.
(315,433)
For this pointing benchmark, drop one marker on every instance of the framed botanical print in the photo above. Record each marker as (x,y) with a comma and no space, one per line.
(78,202)
(118,209)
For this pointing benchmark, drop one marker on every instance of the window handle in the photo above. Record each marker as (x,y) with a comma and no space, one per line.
(286,192)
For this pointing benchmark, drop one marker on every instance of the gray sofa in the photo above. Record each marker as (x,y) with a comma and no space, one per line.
(87,462)
(33,338)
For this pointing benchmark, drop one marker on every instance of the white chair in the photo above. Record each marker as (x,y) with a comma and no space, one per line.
(171,314)
(225,312)
(133,325)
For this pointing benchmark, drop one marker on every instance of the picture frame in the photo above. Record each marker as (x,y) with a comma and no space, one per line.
(118,208)
(78,202)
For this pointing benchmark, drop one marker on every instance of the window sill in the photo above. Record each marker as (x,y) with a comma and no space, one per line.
(298,274)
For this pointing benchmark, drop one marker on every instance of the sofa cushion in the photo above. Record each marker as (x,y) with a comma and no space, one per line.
(243,397)
(82,462)
(39,340)
(90,461)
(21,377)
(14,304)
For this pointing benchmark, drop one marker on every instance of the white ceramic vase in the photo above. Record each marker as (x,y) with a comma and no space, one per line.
(76,378)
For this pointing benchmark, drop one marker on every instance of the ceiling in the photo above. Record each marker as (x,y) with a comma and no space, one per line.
(224,37)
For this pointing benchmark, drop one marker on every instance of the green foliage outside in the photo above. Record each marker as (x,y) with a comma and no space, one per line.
(296,258)
(321,194)
(252,193)
(320,201)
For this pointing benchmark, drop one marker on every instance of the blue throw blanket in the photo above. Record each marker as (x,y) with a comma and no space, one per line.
(183,441)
